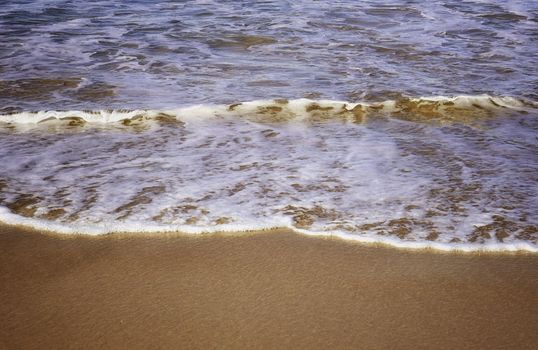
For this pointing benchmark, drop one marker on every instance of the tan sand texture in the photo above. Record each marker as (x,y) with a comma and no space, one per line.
(271,290)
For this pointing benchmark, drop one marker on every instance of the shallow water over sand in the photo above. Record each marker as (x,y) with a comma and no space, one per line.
(164,116)
(447,173)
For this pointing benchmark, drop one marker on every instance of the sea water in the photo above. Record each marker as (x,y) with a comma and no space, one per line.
(408,123)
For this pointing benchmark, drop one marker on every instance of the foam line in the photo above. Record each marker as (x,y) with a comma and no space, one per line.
(298,109)
(109,228)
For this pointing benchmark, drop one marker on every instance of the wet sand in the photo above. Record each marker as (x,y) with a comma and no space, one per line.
(266,290)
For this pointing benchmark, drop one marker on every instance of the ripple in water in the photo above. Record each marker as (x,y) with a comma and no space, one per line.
(163,54)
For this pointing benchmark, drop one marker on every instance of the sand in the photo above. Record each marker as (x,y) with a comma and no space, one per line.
(273,289)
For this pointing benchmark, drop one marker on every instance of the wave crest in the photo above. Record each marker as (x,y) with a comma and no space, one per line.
(422,109)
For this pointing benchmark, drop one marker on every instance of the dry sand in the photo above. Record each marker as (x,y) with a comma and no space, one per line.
(267,290)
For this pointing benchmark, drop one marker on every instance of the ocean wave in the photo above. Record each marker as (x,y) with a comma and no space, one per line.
(421,109)
(402,172)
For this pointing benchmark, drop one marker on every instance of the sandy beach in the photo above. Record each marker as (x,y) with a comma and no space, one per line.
(273,289)
(394,145)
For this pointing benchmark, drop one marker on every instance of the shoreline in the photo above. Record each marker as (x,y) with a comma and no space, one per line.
(258,290)
(390,242)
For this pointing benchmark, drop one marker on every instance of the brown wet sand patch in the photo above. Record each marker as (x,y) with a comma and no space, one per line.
(265,114)
(236,188)
(304,217)
(420,110)
(36,87)
(223,220)
(193,211)
(501,228)
(167,119)
(270,110)
(400,227)
(266,290)
(271,114)
(442,112)
(95,92)
(319,113)
(74,121)
(53,214)
(24,205)
(142,123)
(316,107)
(315,112)
(329,185)
(141,198)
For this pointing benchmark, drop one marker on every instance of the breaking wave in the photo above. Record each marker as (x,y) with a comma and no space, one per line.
(436,108)
(449,173)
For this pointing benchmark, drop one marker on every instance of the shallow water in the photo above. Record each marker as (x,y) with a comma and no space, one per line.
(137,118)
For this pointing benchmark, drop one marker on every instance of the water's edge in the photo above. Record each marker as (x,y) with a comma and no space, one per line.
(44,227)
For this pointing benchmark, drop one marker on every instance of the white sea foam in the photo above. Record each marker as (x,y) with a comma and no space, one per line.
(59,228)
(317,167)
(297,109)
(435,171)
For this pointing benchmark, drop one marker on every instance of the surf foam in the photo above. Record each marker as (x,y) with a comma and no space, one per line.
(379,172)
(433,107)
